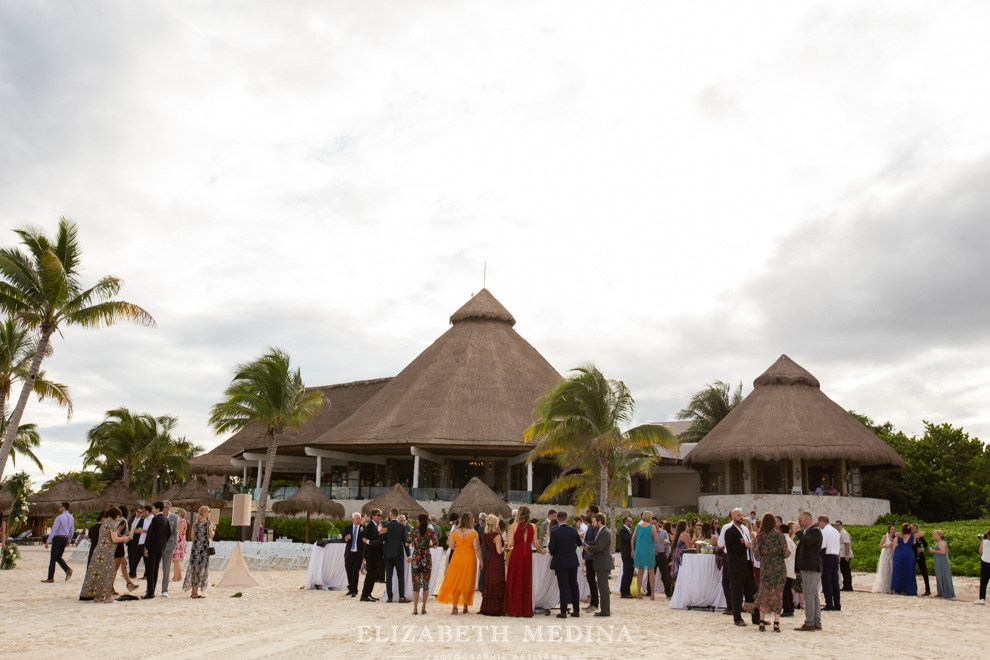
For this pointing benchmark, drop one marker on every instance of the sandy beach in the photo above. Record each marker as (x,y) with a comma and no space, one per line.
(278,619)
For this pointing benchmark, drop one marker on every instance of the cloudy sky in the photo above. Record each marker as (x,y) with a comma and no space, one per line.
(677,193)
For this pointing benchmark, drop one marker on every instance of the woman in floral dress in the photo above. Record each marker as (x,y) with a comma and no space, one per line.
(98,585)
(198,571)
(421,540)
(771,550)
(180,547)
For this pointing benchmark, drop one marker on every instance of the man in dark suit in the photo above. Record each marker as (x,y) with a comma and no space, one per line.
(395,555)
(480,528)
(564,542)
(808,562)
(741,581)
(373,540)
(354,554)
(625,547)
(920,554)
(158,535)
(601,559)
(589,570)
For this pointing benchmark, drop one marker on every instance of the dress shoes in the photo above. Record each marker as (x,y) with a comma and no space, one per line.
(625,596)
(48,581)
(562,615)
(575,614)
(591,608)
(68,574)
(740,622)
(368,599)
(727,612)
(818,627)
(601,614)
(404,600)
(807,628)
(147,596)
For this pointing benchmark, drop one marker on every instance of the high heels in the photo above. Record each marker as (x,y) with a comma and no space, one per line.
(776,626)
(763,626)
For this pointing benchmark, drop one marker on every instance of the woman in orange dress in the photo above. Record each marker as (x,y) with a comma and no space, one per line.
(462,570)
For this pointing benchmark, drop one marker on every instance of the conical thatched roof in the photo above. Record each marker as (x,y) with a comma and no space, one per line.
(172,492)
(117,493)
(68,490)
(788,416)
(194,494)
(476,497)
(395,497)
(474,389)
(340,403)
(309,499)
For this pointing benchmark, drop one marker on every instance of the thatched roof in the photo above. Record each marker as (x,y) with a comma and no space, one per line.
(309,499)
(474,389)
(67,490)
(340,403)
(6,502)
(395,497)
(172,492)
(117,493)
(788,416)
(194,494)
(476,497)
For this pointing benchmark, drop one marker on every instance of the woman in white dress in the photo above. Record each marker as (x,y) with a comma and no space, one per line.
(885,566)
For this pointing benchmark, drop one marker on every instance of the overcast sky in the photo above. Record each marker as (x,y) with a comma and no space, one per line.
(679,193)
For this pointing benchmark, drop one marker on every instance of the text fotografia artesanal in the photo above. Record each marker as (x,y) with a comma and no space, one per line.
(567,634)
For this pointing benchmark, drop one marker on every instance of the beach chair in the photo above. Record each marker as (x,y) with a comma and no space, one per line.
(80,552)
(21,539)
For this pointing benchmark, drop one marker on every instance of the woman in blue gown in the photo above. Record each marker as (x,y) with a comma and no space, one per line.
(903,578)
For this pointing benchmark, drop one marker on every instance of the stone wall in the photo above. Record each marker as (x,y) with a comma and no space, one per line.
(850,510)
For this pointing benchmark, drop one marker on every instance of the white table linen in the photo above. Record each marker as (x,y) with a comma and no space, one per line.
(436,556)
(699,583)
(326,567)
(546,595)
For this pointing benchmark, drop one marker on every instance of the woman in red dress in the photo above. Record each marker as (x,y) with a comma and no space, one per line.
(493,589)
(519,580)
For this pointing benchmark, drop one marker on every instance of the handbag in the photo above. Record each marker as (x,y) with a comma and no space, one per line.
(210,550)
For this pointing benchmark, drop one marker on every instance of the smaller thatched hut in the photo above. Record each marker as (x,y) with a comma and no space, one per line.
(395,497)
(194,495)
(117,494)
(477,498)
(172,492)
(67,490)
(309,499)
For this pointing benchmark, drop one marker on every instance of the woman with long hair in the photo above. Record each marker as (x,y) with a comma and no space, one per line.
(119,554)
(770,548)
(198,570)
(644,541)
(493,589)
(421,540)
(100,573)
(180,546)
(885,565)
(519,577)
(462,570)
(903,578)
(682,542)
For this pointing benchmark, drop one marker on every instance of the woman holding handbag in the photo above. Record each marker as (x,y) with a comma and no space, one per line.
(198,571)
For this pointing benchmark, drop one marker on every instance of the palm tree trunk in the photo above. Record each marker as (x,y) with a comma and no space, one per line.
(603,499)
(259,518)
(126,478)
(26,389)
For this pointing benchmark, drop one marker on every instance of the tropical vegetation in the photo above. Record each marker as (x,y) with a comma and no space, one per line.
(707,408)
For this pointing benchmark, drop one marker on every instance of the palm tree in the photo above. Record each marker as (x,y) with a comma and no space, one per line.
(25,442)
(267,392)
(121,438)
(709,407)
(42,289)
(166,456)
(584,415)
(582,475)
(17,349)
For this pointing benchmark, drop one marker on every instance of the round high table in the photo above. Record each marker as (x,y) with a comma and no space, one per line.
(699,584)
(326,567)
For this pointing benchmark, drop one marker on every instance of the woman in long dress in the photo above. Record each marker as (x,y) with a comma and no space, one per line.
(181,547)
(98,584)
(493,589)
(770,547)
(943,572)
(683,543)
(519,576)
(198,570)
(644,540)
(461,578)
(881,583)
(421,540)
(903,579)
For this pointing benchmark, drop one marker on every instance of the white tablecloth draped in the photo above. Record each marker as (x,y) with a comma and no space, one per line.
(436,555)
(326,567)
(545,592)
(699,583)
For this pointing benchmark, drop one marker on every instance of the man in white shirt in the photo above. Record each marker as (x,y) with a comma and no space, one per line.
(726,587)
(752,518)
(583,529)
(141,529)
(830,565)
(845,554)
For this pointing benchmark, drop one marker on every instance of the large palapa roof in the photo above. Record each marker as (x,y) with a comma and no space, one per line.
(475,388)
(788,416)
(340,402)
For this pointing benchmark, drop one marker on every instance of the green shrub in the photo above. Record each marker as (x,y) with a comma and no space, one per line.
(960,536)
(293,528)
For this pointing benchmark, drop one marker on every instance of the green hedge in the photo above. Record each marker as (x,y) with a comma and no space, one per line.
(293,528)
(960,536)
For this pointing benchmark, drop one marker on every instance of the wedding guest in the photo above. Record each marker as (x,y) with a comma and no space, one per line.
(737,543)
(181,546)
(771,548)
(589,569)
(716,527)
(141,530)
(903,578)
(644,541)
(373,539)
(395,553)
(119,554)
(198,570)
(885,565)
(583,525)
(98,585)
(158,536)
(63,529)
(493,590)
(564,542)
(943,572)
(421,540)
(480,528)
(170,543)
(462,570)
(626,555)
(684,542)
(830,565)
(519,575)
(707,535)
(808,561)
(845,556)
(354,553)
(798,587)
(545,525)
(788,604)
(984,568)
(435,526)
(752,518)
(134,552)
(601,558)
(921,558)
(94,535)
(662,552)
(405,523)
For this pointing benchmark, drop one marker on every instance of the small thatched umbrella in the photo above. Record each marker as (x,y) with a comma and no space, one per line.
(395,497)
(310,499)
(68,490)
(172,493)
(117,493)
(476,498)
(194,495)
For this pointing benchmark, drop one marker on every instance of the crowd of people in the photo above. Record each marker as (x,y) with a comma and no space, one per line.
(151,536)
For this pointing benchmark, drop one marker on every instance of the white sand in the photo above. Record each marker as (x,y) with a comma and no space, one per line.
(278,619)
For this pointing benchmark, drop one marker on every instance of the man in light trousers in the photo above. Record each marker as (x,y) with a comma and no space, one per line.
(809,562)
(173,540)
